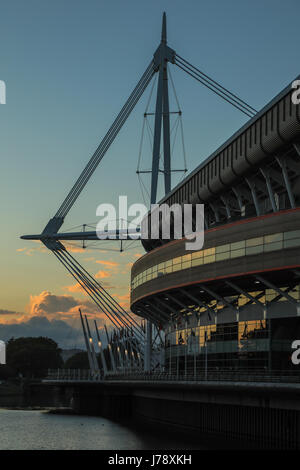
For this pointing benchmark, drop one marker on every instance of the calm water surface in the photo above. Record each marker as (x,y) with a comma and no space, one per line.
(39,430)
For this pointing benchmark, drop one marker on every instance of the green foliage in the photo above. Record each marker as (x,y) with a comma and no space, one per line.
(78,361)
(33,356)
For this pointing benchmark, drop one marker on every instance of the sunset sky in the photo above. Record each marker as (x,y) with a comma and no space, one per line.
(69,66)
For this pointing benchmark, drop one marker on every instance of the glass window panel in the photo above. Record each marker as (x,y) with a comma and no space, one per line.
(209,252)
(273,246)
(186,258)
(237,245)
(254,241)
(169,263)
(222,256)
(177,267)
(197,261)
(186,264)
(270,294)
(169,269)
(237,253)
(253,250)
(197,254)
(292,234)
(275,237)
(209,259)
(291,243)
(177,260)
(223,248)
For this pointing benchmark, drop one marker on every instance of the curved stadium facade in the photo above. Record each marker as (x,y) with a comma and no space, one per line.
(235,304)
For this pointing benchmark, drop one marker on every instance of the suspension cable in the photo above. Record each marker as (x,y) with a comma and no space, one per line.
(225,95)
(106,142)
(115,309)
(126,109)
(105,293)
(92,294)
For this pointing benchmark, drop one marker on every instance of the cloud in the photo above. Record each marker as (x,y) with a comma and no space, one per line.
(47,303)
(29,251)
(102,275)
(8,312)
(64,334)
(60,306)
(75,249)
(109,264)
(75,288)
(123,300)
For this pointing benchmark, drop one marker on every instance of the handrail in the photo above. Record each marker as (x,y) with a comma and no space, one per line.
(62,375)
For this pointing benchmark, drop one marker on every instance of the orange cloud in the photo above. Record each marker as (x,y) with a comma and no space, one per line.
(75,249)
(123,297)
(29,251)
(75,288)
(61,307)
(110,264)
(123,300)
(102,275)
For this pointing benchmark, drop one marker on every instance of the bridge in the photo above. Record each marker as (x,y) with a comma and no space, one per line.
(254,407)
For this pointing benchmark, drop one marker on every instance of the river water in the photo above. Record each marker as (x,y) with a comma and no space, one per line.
(39,430)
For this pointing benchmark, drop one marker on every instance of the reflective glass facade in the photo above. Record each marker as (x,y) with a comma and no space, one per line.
(248,247)
(258,344)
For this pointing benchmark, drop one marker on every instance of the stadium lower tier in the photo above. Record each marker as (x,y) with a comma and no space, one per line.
(234,304)
(264,345)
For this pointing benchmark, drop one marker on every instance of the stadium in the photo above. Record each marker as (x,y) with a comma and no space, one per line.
(235,304)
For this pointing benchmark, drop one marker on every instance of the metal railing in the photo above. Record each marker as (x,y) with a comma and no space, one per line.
(284,377)
(78,375)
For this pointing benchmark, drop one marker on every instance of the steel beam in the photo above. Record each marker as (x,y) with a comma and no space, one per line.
(270,285)
(297,148)
(103,360)
(243,292)
(287,183)
(166,128)
(181,304)
(215,211)
(218,297)
(226,205)
(87,345)
(266,175)
(199,302)
(252,187)
(94,357)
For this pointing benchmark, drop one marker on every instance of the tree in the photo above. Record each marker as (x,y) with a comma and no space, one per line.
(33,356)
(6,372)
(78,361)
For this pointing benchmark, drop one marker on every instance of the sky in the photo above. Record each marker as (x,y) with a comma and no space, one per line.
(69,66)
